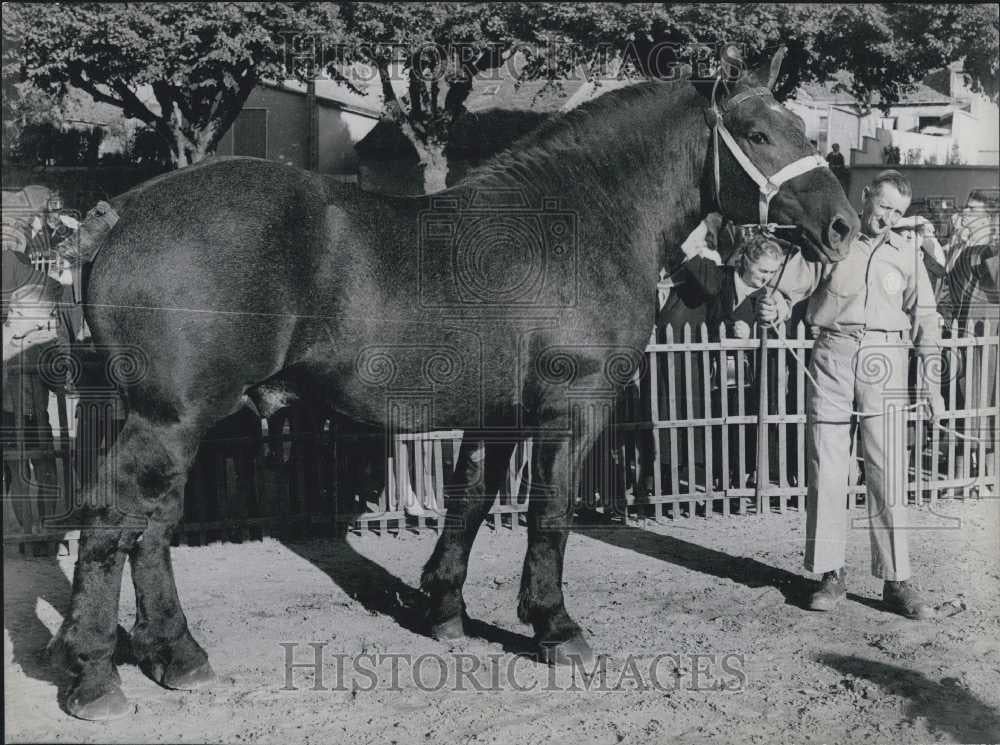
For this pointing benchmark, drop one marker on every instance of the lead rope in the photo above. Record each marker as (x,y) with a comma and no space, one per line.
(854,412)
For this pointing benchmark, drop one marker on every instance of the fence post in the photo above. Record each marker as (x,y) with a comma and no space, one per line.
(763,477)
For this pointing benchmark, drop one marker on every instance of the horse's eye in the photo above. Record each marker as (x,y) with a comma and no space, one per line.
(757,138)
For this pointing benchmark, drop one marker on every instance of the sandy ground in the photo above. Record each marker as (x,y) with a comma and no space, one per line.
(700,620)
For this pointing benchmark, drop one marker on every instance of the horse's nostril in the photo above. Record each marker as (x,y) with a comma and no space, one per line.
(840,229)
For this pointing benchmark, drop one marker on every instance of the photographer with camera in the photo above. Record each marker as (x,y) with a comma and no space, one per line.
(29,302)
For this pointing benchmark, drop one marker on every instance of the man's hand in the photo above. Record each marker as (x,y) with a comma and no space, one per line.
(741,330)
(935,402)
(773,309)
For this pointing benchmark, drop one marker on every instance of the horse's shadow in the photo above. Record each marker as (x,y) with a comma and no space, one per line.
(381,592)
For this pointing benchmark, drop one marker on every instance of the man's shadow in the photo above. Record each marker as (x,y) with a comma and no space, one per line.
(946,705)
(751,573)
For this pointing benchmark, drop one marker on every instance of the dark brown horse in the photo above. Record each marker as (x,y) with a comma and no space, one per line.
(506,306)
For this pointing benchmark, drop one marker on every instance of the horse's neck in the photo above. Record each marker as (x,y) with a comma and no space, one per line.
(634,170)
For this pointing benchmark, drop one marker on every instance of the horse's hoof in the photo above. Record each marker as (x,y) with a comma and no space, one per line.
(200,677)
(106,707)
(453,628)
(171,676)
(573,651)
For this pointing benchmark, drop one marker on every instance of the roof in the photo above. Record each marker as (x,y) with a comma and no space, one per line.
(921,94)
(531,95)
(333,94)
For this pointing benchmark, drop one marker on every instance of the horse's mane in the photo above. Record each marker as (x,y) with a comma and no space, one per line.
(619,132)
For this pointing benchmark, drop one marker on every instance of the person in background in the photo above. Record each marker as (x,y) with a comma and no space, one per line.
(835,159)
(867,309)
(917,233)
(739,296)
(975,225)
(29,301)
(681,302)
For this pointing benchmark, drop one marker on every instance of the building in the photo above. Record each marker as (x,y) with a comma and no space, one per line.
(313,127)
(939,122)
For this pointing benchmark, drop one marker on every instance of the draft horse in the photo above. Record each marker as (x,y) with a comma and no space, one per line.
(505,306)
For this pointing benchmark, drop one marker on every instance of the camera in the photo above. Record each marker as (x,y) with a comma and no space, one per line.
(493,249)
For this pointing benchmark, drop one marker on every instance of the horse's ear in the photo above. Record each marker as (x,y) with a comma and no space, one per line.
(776,61)
(730,67)
(766,73)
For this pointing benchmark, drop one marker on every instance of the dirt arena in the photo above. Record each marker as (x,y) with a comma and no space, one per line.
(700,619)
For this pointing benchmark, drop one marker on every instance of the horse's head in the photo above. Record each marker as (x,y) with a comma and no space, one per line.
(762,168)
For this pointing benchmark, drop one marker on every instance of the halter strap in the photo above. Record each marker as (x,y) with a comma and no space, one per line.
(769,186)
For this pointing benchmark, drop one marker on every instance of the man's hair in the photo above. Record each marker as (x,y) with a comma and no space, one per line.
(758,246)
(895,178)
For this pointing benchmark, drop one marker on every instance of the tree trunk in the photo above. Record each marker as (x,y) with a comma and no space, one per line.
(435,168)
(189,148)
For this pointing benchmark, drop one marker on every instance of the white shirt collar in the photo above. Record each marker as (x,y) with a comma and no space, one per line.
(742,288)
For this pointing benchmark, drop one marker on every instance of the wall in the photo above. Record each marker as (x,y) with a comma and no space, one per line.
(978,133)
(287,126)
(843,129)
(929,181)
(338,132)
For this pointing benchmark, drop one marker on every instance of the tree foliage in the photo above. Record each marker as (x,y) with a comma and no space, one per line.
(884,48)
(201,61)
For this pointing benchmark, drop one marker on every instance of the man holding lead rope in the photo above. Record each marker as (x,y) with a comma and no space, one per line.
(865,312)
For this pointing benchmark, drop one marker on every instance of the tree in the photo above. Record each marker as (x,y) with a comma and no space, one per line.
(200,61)
(435,50)
(439,49)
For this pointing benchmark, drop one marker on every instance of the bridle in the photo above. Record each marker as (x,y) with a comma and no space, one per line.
(768,185)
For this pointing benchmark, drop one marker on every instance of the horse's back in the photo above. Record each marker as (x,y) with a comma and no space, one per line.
(204,274)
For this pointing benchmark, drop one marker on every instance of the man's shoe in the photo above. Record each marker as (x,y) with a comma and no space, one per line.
(902,598)
(832,589)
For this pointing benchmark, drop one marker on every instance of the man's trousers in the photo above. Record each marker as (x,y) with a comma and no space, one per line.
(867,372)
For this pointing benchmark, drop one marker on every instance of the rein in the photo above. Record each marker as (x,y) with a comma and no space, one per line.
(769,186)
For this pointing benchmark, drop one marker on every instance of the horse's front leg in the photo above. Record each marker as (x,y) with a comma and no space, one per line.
(479,475)
(556,464)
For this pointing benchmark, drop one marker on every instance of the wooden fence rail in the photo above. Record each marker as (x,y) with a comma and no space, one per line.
(683,443)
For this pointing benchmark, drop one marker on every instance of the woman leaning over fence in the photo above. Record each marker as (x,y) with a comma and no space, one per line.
(739,296)
(682,307)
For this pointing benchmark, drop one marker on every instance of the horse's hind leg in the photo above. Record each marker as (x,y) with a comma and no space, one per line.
(479,475)
(144,479)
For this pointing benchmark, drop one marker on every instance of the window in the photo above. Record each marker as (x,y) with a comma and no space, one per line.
(824,134)
(250,133)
